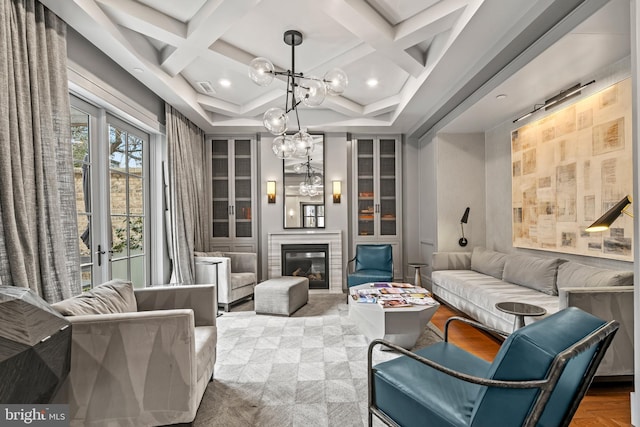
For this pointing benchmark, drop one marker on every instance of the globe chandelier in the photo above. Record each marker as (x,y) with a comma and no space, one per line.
(310,185)
(309,90)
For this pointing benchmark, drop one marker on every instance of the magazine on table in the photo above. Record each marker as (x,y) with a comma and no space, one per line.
(365,299)
(392,291)
(421,301)
(381,285)
(393,303)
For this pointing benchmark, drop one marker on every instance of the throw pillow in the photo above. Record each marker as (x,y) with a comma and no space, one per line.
(488,262)
(532,272)
(575,275)
(115,296)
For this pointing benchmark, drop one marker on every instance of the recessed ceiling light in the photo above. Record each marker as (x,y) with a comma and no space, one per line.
(138,70)
(224,82)
(372,82)
(501,97)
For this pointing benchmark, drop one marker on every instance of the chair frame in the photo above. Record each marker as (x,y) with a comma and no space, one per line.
(604,334)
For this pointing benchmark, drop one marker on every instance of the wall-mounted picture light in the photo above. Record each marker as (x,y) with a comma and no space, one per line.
(556,100)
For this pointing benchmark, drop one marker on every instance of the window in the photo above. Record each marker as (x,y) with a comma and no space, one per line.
(111,188)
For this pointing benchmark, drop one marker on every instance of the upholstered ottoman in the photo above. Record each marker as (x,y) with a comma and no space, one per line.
(281,295)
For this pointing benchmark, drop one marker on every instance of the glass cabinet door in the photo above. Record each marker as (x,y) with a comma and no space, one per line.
(220,187)
(242,187)
(387,187)
(365,187)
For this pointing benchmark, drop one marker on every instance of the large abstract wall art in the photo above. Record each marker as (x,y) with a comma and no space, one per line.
(570,167)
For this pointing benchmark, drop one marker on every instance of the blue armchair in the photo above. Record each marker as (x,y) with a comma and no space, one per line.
(539,376)
(373,263)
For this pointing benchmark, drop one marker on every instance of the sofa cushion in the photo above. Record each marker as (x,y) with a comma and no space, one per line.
(208,254)
(533,272)
(240,280)
(115,296)
(488,262)
(573,274)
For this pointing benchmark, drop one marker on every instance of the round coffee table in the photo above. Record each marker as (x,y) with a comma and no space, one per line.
(519,310)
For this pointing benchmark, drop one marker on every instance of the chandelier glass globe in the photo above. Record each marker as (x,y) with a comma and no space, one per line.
(336,81)
(311,91)
(303,189)
(316,179)
(283,147)
(313,190)
(261,71)
(299,167)
(275,120)
(304,143)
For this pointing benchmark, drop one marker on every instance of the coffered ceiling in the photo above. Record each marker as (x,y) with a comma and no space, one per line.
(422,53)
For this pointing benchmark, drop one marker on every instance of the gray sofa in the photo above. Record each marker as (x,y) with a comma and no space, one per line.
(139,358)
(473,282)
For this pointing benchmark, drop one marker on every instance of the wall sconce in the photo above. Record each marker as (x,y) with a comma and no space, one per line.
(465,217)
(337,191)
(271,191)
(604,222)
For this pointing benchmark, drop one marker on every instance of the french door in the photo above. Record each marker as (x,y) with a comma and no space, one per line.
(110,163)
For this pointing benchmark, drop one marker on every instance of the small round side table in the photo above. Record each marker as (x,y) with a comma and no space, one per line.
(417,279)
(519,310)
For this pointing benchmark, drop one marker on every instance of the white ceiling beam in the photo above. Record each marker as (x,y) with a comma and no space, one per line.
(217,105)
(352,55)
(220,47)
(208,25)
(435,15)
(146,20)
(382,106)
(343,105)
(363,21)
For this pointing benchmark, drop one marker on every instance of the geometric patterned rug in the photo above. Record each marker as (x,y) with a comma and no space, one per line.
(305,370)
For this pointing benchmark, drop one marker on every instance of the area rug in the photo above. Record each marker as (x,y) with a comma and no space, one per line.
(305,370)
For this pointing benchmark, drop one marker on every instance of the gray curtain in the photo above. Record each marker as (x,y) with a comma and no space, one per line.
(188,198)
(38,225)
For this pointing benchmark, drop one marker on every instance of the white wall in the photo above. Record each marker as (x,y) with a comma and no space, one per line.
(410,197)
(451,177)
(461,168)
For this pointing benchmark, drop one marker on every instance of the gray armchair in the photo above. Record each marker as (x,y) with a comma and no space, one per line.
(147,361)
(234,273)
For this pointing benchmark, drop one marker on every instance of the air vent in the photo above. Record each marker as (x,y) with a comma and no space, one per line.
(206,87)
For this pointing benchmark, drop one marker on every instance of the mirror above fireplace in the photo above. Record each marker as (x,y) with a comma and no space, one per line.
(304,188)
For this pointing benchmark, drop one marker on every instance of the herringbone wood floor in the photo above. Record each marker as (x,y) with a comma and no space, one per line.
(605,405)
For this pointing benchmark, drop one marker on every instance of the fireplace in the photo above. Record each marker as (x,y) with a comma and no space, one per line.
(307,260)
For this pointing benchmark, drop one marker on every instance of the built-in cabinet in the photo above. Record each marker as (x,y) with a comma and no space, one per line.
(377,194)
(233,194)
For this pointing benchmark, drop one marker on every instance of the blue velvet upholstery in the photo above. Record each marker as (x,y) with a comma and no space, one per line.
(410,392)
(373,263)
